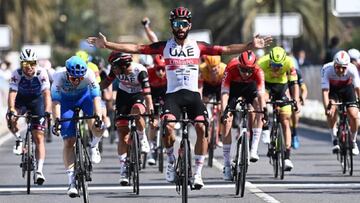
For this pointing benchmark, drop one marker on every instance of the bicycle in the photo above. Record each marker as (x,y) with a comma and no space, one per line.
(183,163)
(82,164)
(345,155)
(276,148)
(241,161)
(159,150)
(28,160)
(214,130)
(133,162)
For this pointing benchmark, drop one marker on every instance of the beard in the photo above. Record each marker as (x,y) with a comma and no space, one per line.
(180,35)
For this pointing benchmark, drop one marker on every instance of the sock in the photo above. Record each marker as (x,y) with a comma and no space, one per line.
(255,139)
(287,153)
(95,141)
(122,160)
(199,163)
(141,134)
(17,136)
(333,132)
(354,136)
(226,152)
(40,164)
(294,132)
(170,155)
(70,174)
(152,144)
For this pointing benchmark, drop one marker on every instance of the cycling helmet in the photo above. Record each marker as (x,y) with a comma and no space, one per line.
(277,55)
(159,61)
(180,12)
(28,55)
(354,54)
(146,60)
(341,58)
(76,67)
(83,55)
(247,59)
(212,60)
(117,58)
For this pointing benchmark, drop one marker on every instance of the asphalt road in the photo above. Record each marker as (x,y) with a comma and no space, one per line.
(317,177)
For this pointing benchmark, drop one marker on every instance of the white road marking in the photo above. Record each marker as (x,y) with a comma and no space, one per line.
(251,187)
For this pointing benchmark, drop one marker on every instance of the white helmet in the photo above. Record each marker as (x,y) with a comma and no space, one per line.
(146,60)
(28,55)
(354,54)
(342,58)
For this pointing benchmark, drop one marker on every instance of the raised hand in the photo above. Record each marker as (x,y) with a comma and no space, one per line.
(261,42)
(99,41)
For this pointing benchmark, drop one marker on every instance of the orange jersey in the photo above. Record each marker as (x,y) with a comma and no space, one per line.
(210,77)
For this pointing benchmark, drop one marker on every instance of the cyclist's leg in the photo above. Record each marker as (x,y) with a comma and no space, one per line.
(332,118)
(352,112)
(139,108)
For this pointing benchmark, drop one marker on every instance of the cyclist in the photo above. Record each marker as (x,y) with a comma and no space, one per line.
(211,75)
(157,80)
(243,78)
(182,57)
(355,57)
(280,74)
(30,91)
(295,143)
(340,81)
(75,86)
(134,86)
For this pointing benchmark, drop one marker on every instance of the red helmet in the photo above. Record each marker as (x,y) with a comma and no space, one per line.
(119,58)
(180,12)
(247,59)
(159,61)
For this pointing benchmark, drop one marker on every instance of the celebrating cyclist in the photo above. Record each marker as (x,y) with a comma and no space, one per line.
(340,82)
(182,58)
(75,86)
(243,78)
(30,92)
(280,74)
(134,90)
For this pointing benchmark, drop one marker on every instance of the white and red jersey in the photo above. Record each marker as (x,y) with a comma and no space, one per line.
(330,78)
(232,74)
(181,61)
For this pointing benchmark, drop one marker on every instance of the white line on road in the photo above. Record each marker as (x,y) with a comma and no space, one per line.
(251,187)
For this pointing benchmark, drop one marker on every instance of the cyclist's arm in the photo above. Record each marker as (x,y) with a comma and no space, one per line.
(325,97)
(56,109)
(47,100)
(143,78)
(11,100)
(257,42)
(224,101)
(304,91)
(97,105)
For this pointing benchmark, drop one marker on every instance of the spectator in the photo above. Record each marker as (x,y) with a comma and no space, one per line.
(332,49)
(301,59)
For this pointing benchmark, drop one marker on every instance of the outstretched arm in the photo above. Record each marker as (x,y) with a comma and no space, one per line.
(101,42)
(149,32)
(257,43)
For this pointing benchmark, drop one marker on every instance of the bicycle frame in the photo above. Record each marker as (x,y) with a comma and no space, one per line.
(214,130)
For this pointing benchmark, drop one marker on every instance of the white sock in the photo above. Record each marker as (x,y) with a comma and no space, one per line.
(354,136)
(95,141)
(122,159)
(199,163)
(255,139)
(71,175)
(226,153)
(333,132)
(17,136)
(170,155)
(40,164)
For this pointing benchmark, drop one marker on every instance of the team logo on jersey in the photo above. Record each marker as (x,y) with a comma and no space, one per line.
(188,52)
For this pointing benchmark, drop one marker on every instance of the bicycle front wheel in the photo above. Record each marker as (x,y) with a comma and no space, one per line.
(81,170)
(212,143)
(135,162)
(160,156)
(244,157)
(281,151)
(185,171)
(28,161)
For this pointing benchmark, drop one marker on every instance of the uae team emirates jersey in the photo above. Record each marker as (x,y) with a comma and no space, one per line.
(181,61)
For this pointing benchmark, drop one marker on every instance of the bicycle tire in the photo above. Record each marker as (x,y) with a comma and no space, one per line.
(244,163)
(281,148)
(81,173)
(185,172)
(160,157)
(274,153)
(235,167)
(349,146)
(28,160)
(212,143)
(135,162)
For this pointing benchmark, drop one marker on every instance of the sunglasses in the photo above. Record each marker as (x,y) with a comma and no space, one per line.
(246,70)
(276,65)
(178,24)
(340,67)
(28,63)
(75,79)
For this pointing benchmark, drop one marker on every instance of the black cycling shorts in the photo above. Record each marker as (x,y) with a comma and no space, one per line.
(211,90)
(35,106)
(125,101)
(247,91)
(343,94)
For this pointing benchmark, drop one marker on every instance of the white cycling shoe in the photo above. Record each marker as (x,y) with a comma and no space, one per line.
(95,155)
(72,191)
(198,182)
(17,149)
(145,146)
(355,149)
(288,165)
(170,172)
(39,178)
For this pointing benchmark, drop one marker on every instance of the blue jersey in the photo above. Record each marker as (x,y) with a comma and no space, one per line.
(63,90)
(29,88)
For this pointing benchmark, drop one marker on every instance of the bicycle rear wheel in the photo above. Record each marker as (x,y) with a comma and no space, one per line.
(134,159)
(244,157)
(212,143)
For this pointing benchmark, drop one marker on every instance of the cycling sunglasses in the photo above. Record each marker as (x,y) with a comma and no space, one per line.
(74,79)
(178,24)
(340,67)
(276,65)
(26,63)
(246,70)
